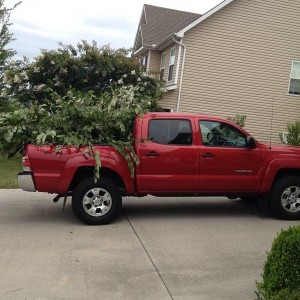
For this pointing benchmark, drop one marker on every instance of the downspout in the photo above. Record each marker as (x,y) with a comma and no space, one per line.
(182,69)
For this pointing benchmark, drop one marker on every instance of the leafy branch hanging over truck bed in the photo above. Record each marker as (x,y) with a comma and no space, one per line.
(75,96)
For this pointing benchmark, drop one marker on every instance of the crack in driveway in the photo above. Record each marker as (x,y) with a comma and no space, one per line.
(147,253)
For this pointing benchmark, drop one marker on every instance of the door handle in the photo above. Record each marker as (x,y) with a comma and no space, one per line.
(207,155)
(152,154)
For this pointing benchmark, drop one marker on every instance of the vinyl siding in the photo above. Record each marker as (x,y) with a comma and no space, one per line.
(167,61)
(154,63)
(169,100)
(239,60)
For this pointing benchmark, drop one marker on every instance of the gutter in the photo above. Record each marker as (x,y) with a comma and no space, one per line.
(145,47)
(158,46)
(182,68)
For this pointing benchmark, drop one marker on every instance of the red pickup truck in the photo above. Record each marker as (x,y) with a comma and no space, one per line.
(184,154)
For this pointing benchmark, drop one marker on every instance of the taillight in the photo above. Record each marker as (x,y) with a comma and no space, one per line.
(26,164)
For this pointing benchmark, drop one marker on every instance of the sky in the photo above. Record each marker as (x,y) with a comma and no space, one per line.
(41,24)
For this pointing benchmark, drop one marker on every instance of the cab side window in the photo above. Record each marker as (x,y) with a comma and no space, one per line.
(219,134)
(170,132)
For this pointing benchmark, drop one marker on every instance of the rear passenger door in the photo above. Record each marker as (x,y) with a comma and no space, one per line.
(169,161)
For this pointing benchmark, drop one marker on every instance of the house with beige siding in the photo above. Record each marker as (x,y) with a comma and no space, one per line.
(241,57)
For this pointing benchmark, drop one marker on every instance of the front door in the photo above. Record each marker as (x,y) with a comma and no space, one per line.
(226,164)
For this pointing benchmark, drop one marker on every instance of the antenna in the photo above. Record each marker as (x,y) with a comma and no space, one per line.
(270,147)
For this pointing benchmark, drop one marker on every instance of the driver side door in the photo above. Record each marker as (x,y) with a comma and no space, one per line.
(226,163)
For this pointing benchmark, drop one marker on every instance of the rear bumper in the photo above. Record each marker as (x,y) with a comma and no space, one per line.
(26,182)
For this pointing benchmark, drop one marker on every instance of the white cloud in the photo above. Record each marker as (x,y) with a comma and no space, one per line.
(42,24)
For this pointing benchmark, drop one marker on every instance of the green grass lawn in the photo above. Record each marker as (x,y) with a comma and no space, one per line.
(9,168)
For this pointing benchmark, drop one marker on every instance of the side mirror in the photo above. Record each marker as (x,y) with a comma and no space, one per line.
(250,142)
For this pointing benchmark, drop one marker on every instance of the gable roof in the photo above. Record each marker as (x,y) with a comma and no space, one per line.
(158,23)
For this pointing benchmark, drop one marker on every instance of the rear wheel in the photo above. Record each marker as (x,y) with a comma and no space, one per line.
(96,203)
(285,198)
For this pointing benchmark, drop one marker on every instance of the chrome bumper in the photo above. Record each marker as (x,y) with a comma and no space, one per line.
(25,182)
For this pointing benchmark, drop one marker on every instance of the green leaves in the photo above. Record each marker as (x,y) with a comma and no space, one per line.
(281,274)
(293,137)
(77,119)
(8,136)
(42,137)
(97,165)
(82,68)
(5,36)
(240,120)
(77,96)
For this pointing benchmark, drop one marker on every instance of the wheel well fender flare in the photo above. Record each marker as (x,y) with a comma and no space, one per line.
(277,169)
(113,169)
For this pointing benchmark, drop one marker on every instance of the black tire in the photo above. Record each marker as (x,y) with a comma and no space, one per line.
(96,203)
(285,198)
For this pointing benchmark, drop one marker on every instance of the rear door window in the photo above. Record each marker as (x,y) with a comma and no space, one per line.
(170,132)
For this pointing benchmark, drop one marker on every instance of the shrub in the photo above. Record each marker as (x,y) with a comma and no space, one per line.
(281,273)
(293,137)
(240,120)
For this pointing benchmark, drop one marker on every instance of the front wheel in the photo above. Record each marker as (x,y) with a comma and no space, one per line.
(285,198)
(96,203)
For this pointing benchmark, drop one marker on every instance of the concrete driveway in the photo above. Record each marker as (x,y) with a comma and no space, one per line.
(158,248)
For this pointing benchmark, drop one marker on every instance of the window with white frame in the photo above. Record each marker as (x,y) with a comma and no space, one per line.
(144,61)
(162,66)
(294,86)
(171,64)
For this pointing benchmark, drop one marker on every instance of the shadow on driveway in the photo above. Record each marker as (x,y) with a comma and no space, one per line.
(151,207)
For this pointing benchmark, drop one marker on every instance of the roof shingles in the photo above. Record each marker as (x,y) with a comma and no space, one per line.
(161,23)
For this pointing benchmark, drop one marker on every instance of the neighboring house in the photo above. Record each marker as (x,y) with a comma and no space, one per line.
(241,57)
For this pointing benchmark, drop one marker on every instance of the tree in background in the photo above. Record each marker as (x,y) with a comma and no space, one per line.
(83,68)
(5,36)
(5,39)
